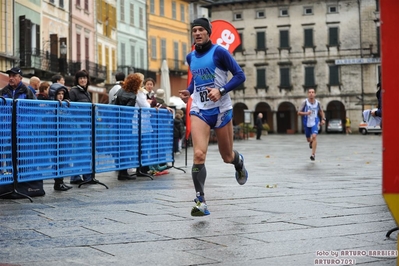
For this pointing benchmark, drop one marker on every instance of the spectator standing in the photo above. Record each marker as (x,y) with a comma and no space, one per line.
(43,91)
(348,126)
(34,84)
(79,93)
(149,84)
(119,77)
(259,125)
(178,132)
(61,94)
(15,88)
(183,130)
(56,79)
(160,97)
(378,111)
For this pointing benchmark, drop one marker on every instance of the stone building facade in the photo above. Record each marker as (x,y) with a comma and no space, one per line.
(288,46)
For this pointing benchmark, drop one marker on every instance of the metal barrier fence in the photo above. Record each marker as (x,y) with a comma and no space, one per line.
(49,139)
(117,137)
(156,136)
(5,142)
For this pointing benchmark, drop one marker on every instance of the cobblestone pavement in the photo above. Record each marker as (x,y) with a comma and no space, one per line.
(292,211)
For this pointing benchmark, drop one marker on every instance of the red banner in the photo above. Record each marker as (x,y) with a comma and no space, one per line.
(224,34)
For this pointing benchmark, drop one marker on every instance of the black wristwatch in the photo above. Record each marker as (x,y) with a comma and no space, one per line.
(222,91)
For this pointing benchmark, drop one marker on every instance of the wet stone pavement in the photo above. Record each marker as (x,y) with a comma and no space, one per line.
(292,211)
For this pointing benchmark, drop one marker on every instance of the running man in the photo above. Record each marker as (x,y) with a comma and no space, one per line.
(309,110)
(211,107)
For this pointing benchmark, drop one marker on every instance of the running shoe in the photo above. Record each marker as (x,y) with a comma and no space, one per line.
(310,144)
(312,157)
(200,209)
(241,172)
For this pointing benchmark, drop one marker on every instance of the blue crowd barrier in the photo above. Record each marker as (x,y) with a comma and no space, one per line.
(117,137)
(58,139)
(6,172)
(156,136)
(53,139)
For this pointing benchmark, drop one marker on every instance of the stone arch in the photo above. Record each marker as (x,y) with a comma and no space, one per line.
(238,113)
(287,121)
(266,110)
(335,110)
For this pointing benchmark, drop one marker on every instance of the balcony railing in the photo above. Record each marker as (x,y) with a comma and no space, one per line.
(177,67)
(128,70)
(50,63)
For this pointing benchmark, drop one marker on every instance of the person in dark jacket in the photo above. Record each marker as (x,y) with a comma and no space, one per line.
(15,88)
(56,79)
(178,132)
(259,125)
(61,94)
(43,91)
(127,96)
(378,112)
(79,93)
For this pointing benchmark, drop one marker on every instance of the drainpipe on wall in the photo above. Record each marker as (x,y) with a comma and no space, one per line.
(69,41)
(361,54)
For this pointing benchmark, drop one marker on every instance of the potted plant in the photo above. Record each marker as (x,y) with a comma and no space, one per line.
(266,129)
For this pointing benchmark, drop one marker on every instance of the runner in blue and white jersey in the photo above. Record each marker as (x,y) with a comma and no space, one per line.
(309,110)
(211,107)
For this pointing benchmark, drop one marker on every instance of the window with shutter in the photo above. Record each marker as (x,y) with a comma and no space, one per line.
(163,49)
(260,41)
(161,8)
(333,36)
(239,48)
(309,77)
(284,39)
(334,76)
(174,16)
(122,8)
(260,78)
(308,38)
(285,78)
(153,48)
(133,56)
(123,54)
(176,54)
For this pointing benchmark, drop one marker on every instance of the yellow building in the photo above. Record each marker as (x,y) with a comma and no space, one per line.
(6,35)
(169,39)
(106,36)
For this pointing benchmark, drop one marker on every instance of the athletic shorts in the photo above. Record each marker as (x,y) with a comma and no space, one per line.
(217,120)
(311,130)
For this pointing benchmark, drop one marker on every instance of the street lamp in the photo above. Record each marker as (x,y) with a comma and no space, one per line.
(63,58)
(63,50)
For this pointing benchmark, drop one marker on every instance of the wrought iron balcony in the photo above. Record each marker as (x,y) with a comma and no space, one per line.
(177,67)
(128,70)
(44,64)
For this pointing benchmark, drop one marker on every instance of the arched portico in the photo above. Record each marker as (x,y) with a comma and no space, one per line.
(266,110)
(287,121)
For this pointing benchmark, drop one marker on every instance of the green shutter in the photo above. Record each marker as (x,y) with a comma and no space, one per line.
(308,37)
(284,39)
(309,76)
(284,77)
(260,40)
(334,77)
(261,78)
(333,36)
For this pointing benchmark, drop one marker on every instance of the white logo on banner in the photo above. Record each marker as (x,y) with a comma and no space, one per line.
(226,38)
